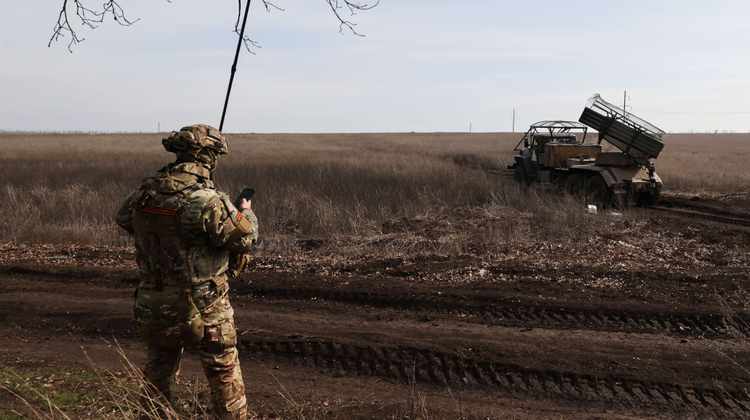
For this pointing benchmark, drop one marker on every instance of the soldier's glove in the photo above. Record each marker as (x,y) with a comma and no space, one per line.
(237,263)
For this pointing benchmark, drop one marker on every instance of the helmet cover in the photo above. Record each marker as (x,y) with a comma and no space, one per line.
(194,138)
(198,142)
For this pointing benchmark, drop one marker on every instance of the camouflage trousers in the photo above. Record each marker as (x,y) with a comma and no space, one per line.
(218,354)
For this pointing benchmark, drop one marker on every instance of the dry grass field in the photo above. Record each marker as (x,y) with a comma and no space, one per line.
(65,188)
(338,188)
(705,163)
(399,276)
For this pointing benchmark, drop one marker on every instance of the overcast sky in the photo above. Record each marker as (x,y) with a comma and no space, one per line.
(423,66)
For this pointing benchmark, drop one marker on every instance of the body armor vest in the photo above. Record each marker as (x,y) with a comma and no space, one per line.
(162,249)
(169,254)
(165,309)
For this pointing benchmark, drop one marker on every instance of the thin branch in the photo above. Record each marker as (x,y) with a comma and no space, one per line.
(248,42)
(239,16)
(337,5)
(88,17)
(245,39)
(268,5)
(91,18)
(63,25)
(111,6)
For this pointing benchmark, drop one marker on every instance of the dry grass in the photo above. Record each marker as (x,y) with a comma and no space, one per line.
(103,393)
(705,163)
(339,189)
(96,392)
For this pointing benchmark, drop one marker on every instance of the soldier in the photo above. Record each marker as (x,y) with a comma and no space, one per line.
(189,238)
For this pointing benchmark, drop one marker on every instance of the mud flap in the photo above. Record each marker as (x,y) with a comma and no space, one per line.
(530,168)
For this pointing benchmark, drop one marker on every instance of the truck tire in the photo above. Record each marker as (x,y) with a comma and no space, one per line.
(648,199)
(521,176)
(597,191)
(574,185)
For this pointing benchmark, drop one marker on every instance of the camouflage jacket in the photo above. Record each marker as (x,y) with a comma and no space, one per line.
(185,232)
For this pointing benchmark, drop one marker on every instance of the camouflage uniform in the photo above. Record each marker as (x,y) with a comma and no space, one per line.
(188,238)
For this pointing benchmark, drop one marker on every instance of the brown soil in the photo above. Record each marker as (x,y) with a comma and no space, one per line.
(475,336)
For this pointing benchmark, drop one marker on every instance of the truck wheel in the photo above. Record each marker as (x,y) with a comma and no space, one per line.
(574,185)
(649,199)
(521,176)
(597,191)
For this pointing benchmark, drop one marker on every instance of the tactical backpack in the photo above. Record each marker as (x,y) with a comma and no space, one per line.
(166,315)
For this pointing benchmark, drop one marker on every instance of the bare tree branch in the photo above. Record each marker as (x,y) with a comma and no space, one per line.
(92,18)
(337,5)
(268,5)
(88,17)
(245,39)
(248,42)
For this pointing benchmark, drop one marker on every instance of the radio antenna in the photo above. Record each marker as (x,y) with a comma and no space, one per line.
(234,66)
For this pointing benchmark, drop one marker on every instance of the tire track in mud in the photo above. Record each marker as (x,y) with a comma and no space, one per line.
(410,364)
(735,221)
(496,310)
(520,315)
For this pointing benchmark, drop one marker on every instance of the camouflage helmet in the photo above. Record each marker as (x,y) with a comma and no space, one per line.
(193,139)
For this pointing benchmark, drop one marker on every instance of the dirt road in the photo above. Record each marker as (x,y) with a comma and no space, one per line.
(398,336)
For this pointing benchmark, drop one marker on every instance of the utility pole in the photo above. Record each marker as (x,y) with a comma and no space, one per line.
(514,120)
(158,127)
(469,127)
(624,102)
